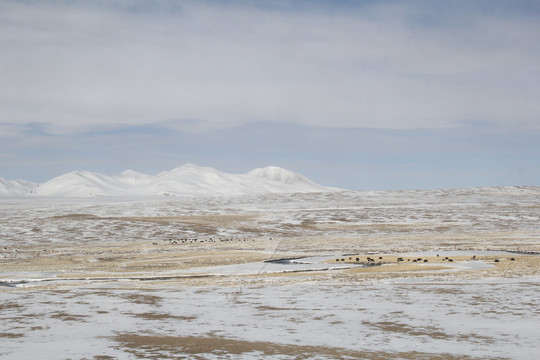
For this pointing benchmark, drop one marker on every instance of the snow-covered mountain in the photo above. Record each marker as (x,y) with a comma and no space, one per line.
(187,180)
(16,187)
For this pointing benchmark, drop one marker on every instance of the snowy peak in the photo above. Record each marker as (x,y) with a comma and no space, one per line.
(186,180)
(132,177)
(278,174)
(189,169)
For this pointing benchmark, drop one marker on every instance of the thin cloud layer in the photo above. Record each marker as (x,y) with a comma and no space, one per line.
(77,66)
(360,95)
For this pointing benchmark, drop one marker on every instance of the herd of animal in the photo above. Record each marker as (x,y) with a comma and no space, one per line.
(181,241)
(379,260)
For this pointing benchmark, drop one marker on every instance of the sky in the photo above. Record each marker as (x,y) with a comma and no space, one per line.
(362,95)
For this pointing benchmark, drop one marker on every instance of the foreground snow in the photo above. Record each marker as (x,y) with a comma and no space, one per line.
(414,319)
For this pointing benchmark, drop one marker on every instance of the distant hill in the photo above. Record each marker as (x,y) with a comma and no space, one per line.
(16,187)
(187,180)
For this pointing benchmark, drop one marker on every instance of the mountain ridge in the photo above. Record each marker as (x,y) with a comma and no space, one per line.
(186,180)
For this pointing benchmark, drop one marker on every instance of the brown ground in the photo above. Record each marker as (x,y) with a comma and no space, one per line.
(148,347)
(146,260)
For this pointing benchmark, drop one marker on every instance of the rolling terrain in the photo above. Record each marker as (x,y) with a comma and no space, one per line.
(272,275)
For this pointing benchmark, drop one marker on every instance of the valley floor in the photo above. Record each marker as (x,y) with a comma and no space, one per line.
(190,279)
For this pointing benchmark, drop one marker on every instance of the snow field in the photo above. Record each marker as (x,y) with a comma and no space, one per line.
(472,318)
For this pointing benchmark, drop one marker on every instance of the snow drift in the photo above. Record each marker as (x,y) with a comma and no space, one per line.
(187,180)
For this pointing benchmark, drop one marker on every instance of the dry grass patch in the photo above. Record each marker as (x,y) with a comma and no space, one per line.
(75,217)
(521,265)
(10,306)
(161,316)
(396,268)
(68,317)
(273,308)
(150,347)
(193,218)
(145,299)
(427,331)
(397,327)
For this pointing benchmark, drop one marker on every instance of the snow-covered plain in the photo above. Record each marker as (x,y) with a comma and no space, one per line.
(102,307)
(479,218)
(416,319)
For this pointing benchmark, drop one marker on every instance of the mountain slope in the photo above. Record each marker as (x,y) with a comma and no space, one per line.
(81,184)
(16,187)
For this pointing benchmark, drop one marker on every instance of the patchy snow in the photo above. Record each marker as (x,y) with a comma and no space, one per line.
(350,214)
(439,314)
(483,319)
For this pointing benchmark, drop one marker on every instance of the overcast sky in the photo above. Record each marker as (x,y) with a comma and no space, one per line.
(354,94)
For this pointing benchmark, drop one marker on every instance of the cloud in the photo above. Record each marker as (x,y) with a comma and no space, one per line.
(84,65)
(363,94)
